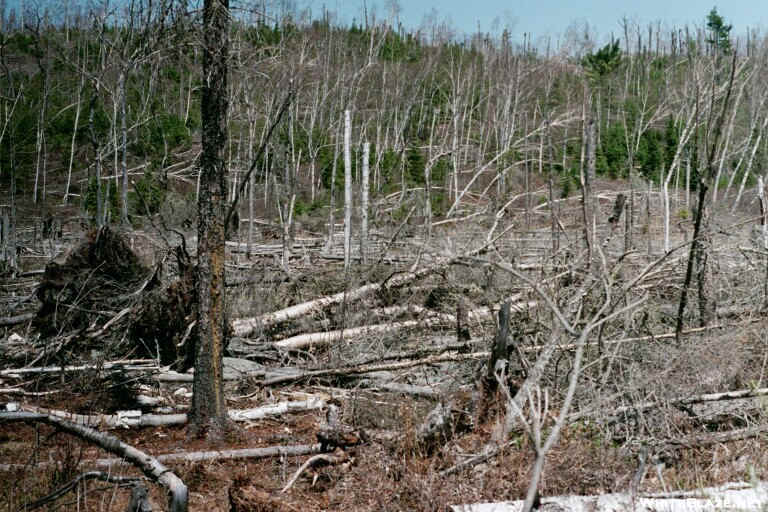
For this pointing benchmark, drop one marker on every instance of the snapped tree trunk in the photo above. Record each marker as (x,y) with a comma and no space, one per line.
(209,411)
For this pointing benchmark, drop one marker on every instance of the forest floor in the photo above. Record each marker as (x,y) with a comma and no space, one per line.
(659,448)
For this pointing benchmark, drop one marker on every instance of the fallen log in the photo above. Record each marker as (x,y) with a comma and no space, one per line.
(319,339)
(125,364)
(15,320)
(244,327)
(368,368)
(244,453)
(732,496)
(135,419)
(150,466)
(618,412)
(699,440)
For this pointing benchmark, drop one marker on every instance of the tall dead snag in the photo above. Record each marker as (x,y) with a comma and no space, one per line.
(587,179)
(209,412)
(697,256)
(364,204)
(347,189)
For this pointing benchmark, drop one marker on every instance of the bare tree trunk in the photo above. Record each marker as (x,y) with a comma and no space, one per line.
(697,256)
(498,350)
(648,218)
(40,144)
(763,212)
(332,200)
(208,413)
(587,198)
(97,157)
(124,147)
(347,188)
(74,135)
(364,204)
(552,204)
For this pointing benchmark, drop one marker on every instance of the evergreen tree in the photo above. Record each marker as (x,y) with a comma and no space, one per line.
(719,32)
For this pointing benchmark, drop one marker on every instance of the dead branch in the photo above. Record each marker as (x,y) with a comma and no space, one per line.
(150,466)
(72,484)
(339,456)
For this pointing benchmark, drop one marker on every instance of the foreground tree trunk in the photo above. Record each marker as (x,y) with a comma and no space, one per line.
(209,413)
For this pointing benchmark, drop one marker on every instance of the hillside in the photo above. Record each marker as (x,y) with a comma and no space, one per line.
(560,278)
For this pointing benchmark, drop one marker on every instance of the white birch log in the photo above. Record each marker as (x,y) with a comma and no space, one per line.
(127,364)
(244,327)
(135,419)
(733,496)
(245,453)
(318,339)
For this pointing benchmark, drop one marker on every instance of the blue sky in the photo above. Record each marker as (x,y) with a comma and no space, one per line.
(539,18)
(552,18)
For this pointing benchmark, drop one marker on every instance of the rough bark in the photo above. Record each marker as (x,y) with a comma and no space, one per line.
(499,349)
(209,411)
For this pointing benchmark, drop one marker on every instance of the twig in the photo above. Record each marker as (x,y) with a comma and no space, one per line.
(90,475)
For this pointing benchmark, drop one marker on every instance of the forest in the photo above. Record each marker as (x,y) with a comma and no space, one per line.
(253,258)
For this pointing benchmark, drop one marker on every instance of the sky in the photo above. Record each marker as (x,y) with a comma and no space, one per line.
(552,18)
(539,19)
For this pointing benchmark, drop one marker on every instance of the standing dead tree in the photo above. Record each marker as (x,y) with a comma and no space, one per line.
(697,256)
(209,409)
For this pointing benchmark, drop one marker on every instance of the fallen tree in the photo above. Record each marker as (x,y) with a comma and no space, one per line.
(218,455)
(150,466)
(732,496)
(318,339)
(135,419)
(245,327)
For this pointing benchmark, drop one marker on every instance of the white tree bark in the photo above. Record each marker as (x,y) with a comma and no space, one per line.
(364,204)
(135,419)
(347,188)
(733,496)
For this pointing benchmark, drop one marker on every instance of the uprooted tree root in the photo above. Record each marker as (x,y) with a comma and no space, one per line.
(102,277)
(165,323)
(98,278)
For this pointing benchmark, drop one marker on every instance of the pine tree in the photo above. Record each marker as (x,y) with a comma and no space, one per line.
(719,31)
